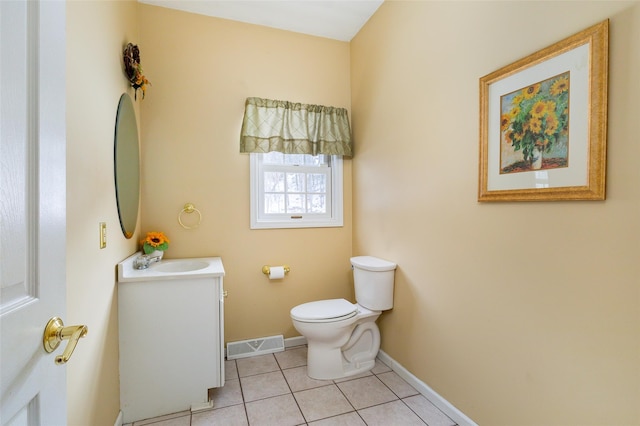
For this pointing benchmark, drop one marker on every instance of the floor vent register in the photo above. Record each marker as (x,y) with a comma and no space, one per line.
(253,347)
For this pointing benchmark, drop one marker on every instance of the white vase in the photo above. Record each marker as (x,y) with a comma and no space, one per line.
(536,153)
(157,253)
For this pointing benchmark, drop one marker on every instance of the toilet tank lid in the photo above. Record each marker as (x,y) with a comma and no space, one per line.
(371,263)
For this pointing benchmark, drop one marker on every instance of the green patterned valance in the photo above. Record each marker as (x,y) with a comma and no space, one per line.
(293,128)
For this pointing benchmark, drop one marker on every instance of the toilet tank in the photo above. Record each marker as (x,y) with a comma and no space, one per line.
(373,280)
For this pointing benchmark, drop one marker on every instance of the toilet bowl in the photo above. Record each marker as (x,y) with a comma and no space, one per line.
(327,338)
(343,338)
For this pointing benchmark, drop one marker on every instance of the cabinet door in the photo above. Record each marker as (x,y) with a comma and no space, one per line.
(170,338)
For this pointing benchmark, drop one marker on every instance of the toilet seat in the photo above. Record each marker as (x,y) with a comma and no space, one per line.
(330,310)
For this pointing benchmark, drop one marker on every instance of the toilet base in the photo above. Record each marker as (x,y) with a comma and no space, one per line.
(358,367)
(325,362)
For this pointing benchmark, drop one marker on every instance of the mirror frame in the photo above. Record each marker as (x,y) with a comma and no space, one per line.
(126,160)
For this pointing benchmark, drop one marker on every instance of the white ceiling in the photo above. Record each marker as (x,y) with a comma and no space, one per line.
(335,19)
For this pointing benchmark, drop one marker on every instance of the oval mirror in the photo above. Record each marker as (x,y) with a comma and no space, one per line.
(127,165)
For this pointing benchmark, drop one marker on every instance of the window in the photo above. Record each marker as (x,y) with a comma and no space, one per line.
(295,190)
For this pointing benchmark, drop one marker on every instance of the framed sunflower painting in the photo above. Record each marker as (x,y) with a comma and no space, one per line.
(543,123)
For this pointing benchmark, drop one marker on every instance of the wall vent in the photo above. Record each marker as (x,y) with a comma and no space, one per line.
(253,347)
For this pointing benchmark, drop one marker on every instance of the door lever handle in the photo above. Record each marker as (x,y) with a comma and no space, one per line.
(55,332)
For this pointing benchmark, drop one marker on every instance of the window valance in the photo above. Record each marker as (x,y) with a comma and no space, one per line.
(293,128)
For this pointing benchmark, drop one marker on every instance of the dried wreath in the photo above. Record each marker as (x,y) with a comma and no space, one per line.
(133,69)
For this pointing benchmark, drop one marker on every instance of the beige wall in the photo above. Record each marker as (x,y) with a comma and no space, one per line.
(516,313)
(96,34)
(202,69)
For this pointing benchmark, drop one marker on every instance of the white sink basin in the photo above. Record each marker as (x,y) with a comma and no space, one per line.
(179,265)
(170,269)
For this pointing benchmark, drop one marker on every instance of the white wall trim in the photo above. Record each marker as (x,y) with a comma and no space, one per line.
(295,341)
(119,419)
(443,405)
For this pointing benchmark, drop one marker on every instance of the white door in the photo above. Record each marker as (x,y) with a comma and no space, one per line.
(32,210)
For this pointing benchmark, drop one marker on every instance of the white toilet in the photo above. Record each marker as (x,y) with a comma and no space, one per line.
(343,338)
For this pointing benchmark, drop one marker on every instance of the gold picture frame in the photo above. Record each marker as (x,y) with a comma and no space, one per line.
(543,123)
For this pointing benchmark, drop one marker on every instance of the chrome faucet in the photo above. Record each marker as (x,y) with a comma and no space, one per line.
(143,261)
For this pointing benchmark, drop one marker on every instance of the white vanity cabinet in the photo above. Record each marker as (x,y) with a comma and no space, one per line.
(171,335)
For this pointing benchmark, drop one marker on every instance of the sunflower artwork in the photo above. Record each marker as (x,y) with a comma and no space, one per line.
(534,126)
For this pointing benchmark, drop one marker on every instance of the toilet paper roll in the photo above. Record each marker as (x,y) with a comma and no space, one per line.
(276,273)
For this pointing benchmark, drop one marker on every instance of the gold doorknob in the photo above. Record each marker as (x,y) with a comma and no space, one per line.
(55,332)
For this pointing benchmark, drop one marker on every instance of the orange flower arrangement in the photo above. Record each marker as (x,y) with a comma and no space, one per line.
(155,241)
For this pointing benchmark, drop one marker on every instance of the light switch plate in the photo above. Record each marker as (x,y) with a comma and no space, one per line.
(103,234)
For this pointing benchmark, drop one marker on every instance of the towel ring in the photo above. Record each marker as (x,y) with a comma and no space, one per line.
(189,208)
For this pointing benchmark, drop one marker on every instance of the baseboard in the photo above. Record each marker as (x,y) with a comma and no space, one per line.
(119,419)
(201,406)
(295,341)
(443,405)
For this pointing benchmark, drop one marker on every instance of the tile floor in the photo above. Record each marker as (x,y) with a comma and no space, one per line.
(274,390)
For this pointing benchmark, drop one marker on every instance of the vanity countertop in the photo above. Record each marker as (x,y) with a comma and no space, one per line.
(170,269)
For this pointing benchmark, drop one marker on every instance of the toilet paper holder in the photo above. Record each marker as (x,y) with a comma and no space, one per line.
(266,269)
